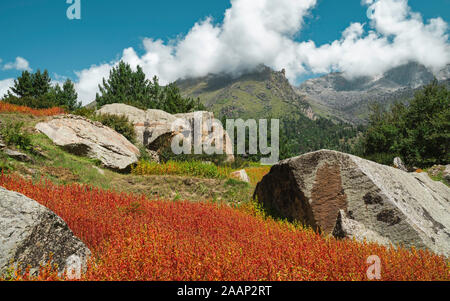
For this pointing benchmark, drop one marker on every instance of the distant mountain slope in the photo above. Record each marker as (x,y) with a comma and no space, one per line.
(337,97)
(260,94)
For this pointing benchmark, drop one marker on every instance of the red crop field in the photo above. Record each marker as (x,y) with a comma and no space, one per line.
(11,108)
(134,238)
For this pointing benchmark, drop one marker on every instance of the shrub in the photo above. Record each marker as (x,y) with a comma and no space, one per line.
(134,238)
(85,112)
(12,134)
(185,168)
(256,174)
(12,108)
(119,123)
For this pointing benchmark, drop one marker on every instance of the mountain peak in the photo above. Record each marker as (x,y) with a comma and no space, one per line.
(259,93)
(349,97)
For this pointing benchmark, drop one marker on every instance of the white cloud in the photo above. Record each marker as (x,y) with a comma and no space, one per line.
(5,85)
(396,36)
(88,82)
(20,64)
(265,32)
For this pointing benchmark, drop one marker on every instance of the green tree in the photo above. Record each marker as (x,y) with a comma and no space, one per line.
(23,86)
(67,97)
(125,86)
(418,132)
(35,91)
(131,87)
(41,83)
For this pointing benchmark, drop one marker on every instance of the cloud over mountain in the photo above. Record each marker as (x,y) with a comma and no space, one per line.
(269,32)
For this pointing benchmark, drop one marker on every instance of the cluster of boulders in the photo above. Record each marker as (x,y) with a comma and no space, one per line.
(155,128)
(346,196)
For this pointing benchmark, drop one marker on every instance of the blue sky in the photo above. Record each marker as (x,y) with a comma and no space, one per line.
(40,32)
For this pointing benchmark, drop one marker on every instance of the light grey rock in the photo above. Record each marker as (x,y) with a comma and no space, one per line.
(398,163)
(29,232)
(446,173)
(349,228)
(241,175)
(84,137)
(17,155)
(155,128)
(405,208)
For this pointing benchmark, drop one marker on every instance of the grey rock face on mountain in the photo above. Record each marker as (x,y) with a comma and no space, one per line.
(29,232)
(92,139)
(349,98)
(155,128)
(404,208)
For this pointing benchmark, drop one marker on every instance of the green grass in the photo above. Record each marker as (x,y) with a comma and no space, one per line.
(80,167)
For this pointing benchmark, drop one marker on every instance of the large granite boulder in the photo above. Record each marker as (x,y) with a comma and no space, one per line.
(155,128)
(29,233)
(84,137)
(344,195)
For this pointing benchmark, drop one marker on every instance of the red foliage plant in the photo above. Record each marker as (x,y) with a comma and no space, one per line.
(134,238)
(11,108)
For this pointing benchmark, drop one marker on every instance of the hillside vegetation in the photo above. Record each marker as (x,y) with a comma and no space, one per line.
(418,132)
(259,94)
(136,238)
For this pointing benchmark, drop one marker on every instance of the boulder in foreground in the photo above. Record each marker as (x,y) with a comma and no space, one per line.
(29,232)
(344,195)
(84,137)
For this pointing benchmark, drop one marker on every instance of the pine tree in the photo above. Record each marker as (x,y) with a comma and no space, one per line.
(41,83)
(125,86)
(69,96)
(23,86)
(131,87)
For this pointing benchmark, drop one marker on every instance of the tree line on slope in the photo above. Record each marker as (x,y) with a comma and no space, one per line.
(418,131)
(124,85)
(131,87)
(35,90)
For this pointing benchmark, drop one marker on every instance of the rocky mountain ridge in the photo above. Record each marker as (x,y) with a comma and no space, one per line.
(336,96)
(261,93)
